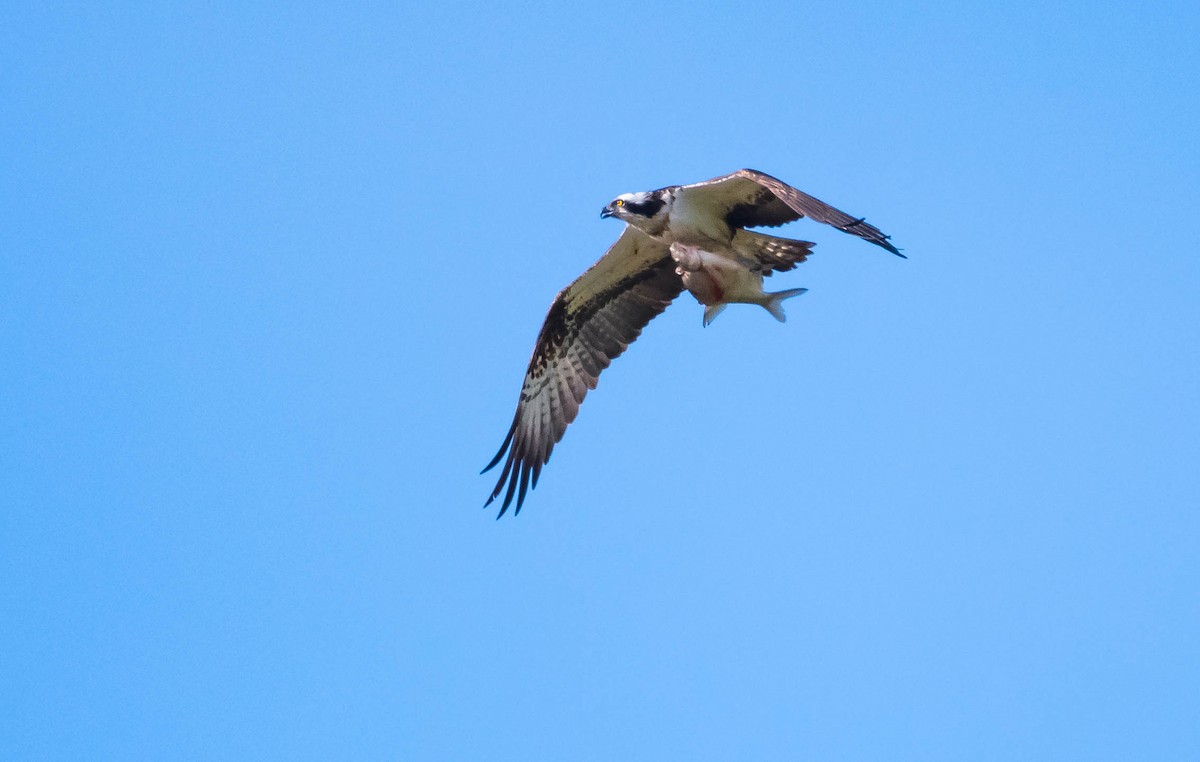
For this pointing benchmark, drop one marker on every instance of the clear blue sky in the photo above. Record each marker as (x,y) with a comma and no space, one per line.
(270,278)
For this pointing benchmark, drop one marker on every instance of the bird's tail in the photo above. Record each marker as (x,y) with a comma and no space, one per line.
(770,253)
(774,302)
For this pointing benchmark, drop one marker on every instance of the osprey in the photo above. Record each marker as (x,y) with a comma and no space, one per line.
(691,237)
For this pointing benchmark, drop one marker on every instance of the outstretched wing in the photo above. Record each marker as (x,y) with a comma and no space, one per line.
(748,198)
(590,323)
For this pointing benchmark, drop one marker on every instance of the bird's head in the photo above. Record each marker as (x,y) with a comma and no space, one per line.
(646,210)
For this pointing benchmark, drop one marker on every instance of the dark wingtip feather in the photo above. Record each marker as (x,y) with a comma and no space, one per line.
(525,469)
(879,240)
(887,245)
(508,495)
(504,479)
(504,447)
(504,508)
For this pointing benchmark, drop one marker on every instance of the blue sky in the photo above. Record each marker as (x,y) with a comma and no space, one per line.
(270,278)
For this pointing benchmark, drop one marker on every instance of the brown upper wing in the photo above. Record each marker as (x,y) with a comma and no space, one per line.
(590,323)
(749,198)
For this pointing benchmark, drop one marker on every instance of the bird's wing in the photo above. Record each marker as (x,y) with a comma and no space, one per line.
(590,323)
(748,198)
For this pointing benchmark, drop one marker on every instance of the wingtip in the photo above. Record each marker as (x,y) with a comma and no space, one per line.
(886,244)
(504,509)
(508,501)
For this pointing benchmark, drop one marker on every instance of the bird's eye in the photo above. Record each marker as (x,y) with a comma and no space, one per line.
(619,202)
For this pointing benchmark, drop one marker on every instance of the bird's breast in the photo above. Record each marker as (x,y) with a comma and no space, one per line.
(697,226)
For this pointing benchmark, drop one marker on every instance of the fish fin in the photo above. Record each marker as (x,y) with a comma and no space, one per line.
(711,312)
(774,303)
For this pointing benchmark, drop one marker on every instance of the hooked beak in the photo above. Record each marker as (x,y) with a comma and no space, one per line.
(606,212)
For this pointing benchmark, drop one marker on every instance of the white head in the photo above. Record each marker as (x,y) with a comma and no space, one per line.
(646,210)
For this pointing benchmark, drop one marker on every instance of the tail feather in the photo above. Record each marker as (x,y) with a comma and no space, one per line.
(771,253)
(774,303)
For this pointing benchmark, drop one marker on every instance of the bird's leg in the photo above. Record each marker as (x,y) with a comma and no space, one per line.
(688,258)
(702,281)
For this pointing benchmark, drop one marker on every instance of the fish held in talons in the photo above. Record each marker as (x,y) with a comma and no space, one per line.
(718,281)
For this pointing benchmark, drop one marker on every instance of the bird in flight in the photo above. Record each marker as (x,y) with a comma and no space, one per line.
(682,237)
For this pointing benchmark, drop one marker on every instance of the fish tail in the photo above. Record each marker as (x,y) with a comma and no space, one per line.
(774,302)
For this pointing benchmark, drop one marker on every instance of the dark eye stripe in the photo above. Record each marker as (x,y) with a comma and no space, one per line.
(647,208)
